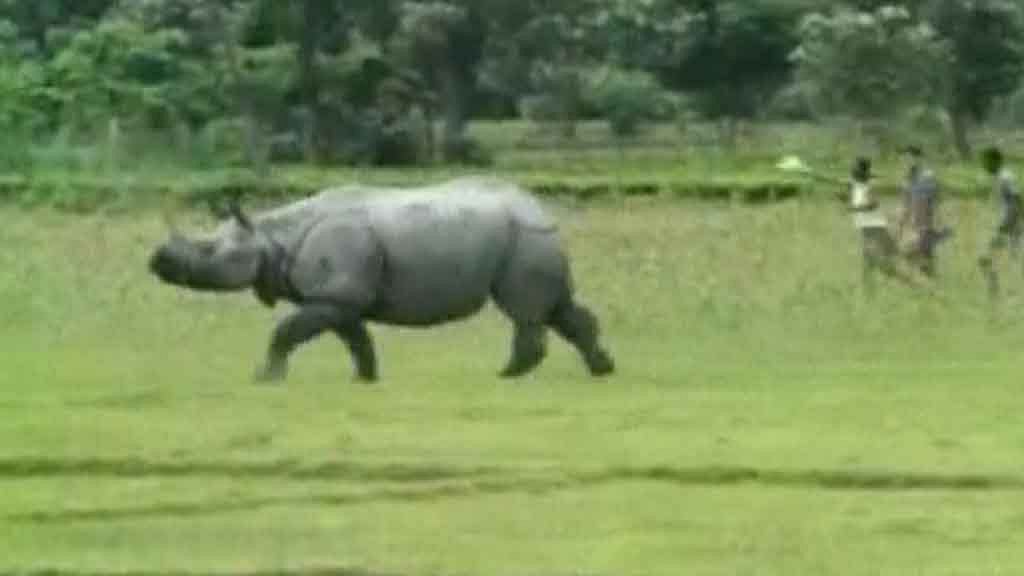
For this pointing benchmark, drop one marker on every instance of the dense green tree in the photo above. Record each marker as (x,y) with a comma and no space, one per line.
(736,56)
(553,67)
(118,68)
(21,83)
(871,65)
(986,38)
(627,98)
(43,23)
(444,43)
(363,80)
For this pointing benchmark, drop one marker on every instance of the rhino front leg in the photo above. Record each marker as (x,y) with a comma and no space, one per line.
(298,328)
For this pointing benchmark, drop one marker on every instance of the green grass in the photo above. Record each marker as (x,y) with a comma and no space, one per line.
(766,418)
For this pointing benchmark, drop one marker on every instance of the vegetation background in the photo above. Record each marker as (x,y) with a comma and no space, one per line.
(581,95)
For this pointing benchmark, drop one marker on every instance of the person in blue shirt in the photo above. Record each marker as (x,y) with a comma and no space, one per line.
(920,214)
(1008,232)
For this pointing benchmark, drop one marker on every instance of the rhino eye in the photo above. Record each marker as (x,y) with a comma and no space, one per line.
(207,250)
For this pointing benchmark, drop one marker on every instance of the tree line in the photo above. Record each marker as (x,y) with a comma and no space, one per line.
(397,81)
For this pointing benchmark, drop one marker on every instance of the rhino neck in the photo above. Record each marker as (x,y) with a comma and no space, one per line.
(286,229)
(273,283)
(282,247)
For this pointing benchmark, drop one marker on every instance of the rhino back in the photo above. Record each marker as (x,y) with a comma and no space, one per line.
(289,222)
(524,208)
(442,253)
(443,246)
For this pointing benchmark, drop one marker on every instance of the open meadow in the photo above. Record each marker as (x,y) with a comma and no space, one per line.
(768,412)
(766,417)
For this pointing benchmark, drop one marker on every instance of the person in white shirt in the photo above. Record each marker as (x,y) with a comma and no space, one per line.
(879,247)
(1008,233)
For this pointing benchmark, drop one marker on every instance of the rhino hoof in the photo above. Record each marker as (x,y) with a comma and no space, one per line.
(270,375)
(512,372)
(602,365)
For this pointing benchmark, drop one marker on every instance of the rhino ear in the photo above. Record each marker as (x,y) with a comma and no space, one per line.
(241,217)
(217,209)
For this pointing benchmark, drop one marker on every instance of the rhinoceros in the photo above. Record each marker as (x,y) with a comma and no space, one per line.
(410,257)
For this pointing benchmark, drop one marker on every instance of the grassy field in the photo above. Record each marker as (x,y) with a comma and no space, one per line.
(767,418)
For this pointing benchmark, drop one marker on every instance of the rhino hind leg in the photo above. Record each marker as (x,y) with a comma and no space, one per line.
(528,350)
(526,299)
(535,292)
(360,346)
(578,325)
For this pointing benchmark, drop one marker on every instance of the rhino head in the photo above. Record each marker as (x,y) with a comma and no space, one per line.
(230,258)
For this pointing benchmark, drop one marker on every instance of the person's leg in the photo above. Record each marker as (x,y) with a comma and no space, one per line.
(927,254)
(887,254)
(867,276)
(987,264)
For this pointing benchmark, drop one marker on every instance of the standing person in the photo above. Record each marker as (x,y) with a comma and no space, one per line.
(878,246)
(920,207)
(1008,232)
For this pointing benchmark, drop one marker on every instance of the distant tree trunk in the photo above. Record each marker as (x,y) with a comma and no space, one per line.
(309,79)
(568,104)
(568,127)
(231,43)
(454,102)
(729,130)
(429,121)
(960,125)
(113,142)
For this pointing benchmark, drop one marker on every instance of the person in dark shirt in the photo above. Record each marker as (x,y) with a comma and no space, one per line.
(920,211)
(1008,231)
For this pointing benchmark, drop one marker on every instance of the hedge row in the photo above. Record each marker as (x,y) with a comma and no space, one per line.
(85,193)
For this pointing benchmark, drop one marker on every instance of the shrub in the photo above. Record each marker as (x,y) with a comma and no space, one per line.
(793,103)
(559,97)
(1010,109)
(224,141)
(628,98)
(466,150)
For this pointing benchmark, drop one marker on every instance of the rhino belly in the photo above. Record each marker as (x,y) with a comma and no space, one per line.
(441,260)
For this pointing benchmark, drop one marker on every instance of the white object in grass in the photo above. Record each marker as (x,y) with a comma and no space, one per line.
(793,164)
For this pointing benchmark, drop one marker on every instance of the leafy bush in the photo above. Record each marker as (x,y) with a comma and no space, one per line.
(467,150)
(930,122)
(21,84)
(558,96)
(628,98)
(224,141)
(1010,109)
(794,103)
